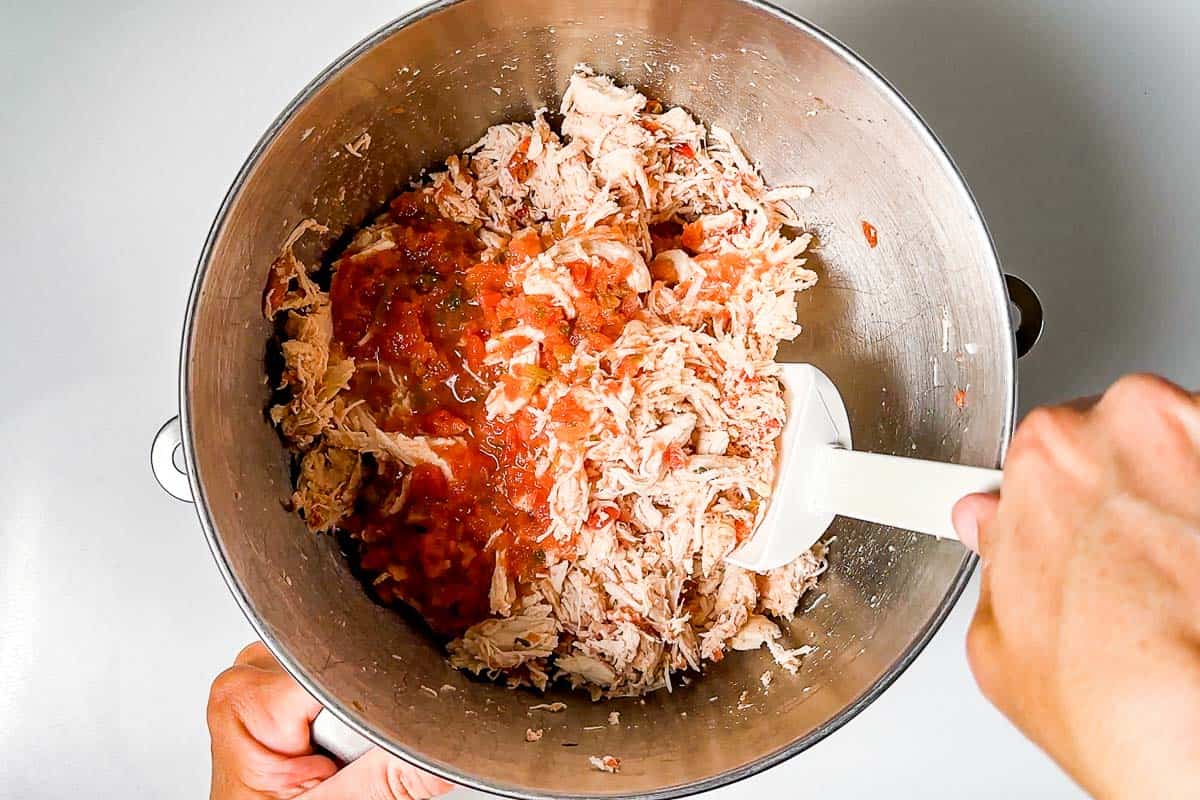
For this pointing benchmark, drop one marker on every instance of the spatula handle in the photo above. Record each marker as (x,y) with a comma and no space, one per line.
(902,492)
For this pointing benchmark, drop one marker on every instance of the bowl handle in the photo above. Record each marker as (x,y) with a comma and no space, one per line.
(171,478)
(337,738)
(328,732)
(1029,329)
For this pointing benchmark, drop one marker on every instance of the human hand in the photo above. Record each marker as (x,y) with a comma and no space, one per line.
(1087,633)
(259,721)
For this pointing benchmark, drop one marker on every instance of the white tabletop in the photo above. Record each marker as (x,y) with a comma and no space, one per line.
(122,124)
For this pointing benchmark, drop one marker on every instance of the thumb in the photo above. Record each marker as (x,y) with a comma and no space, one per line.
(970,514)
(378,775)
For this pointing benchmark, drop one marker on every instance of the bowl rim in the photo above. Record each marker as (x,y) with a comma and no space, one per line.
(351,718)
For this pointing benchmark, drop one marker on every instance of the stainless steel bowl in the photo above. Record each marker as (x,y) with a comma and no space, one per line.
(900,328)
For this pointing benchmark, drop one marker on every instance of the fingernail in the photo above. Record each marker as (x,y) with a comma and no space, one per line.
(966,525)
(310,784)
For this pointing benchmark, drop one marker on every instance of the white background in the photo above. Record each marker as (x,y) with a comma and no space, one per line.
(122,124)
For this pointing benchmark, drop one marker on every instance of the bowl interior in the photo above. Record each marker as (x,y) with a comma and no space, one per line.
(900,327)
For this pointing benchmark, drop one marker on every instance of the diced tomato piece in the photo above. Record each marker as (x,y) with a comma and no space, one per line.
(539,312)
(602,516)
(572,431)
(870,234)
(693,236)
(629,366)
(560,352)
(520,167)
(409,204)
(428,481)
(580,274)
(522,426)
(485,277)
(526,244)
(630,306)
(598,340)
(567,409)
(674,458)
(474,349)
(488,300)
(730,267)
(663,270)
(572,420)
(443,423)
(514,387)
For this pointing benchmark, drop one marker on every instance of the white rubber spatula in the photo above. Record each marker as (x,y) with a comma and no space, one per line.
(820,476)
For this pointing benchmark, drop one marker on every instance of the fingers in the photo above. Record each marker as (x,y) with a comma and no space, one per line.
(970,514)
(1146,414)
(379,776)
(240,759)
(259,719)
(256,654)
(268,772)
(982,649)
(273,708)
(1083,403)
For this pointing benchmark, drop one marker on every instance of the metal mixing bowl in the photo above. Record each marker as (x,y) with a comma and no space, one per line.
(900,328)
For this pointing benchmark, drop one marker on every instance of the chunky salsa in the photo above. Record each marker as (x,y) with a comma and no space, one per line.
(417,319)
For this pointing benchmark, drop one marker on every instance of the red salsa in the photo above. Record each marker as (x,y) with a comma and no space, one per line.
(870,234)
(416,318)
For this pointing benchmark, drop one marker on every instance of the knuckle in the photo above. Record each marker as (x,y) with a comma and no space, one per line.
(1165,412)
(982,656)
(423,786)
(262,769)
(1177,405)
(1185,419)
(255,655)
(1043,430)
(1144,390)
(1031,428)
(1051,439)
(1049,422)
(227,686)
(251,652)
(396,778)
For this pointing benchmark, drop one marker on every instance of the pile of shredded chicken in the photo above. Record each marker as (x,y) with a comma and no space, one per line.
(656,442)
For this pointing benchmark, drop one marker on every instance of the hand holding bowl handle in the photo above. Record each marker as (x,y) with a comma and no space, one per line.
(262,746)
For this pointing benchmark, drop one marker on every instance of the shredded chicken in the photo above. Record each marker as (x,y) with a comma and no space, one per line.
(553,708)
(674,462)
(605,763)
